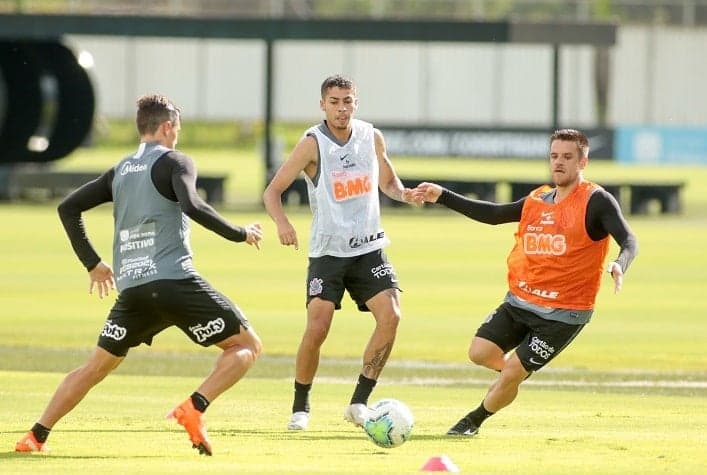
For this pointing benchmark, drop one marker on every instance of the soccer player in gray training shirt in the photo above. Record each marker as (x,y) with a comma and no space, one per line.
(153,193)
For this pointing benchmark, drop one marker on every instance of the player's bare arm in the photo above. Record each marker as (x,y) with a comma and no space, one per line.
(302,159)
(388,180)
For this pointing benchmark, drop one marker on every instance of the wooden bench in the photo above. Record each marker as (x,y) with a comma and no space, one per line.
(666,194)
(636,196)
(49,184)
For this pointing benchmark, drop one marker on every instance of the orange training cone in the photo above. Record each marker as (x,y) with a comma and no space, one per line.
(440,464)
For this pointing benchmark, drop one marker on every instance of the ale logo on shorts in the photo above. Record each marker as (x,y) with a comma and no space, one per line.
(113,331)
(315,286)
(214,327)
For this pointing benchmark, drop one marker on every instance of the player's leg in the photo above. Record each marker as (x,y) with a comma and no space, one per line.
(239,354)
(386,310)
(325,288)
(373,284)
(124,329)
(498,334)
(544,341)
(486,353)
(68,394)
(208,318)
(504,390)
(320,314)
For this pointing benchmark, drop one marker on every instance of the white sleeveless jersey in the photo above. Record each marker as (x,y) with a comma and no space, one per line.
(343,195)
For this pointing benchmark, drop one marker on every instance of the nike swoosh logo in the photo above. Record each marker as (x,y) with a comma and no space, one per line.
(341,158)
(532,360)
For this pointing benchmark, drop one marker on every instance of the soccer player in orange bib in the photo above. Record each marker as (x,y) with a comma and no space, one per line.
(554,270)
(344,161)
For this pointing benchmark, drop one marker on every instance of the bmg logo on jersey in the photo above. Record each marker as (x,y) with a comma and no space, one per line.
(346,186)
(214,327)
(113,331)
(544,243)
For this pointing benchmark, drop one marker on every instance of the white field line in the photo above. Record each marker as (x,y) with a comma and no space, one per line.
(546,383)
(625,378)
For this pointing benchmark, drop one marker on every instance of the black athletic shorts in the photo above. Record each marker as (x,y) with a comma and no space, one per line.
(535,339)
(362,276)
(141,312)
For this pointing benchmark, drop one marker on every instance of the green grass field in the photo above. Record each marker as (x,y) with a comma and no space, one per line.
(629,396)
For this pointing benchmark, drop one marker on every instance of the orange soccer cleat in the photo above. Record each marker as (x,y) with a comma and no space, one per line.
(193,421)
(29,443)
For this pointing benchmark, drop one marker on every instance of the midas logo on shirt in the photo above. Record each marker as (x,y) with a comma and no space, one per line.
(544,243)
(346,186)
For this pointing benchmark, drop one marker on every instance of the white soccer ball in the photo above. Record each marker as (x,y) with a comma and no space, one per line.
(389,424)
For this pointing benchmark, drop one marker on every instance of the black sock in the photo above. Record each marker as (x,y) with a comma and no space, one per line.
(364,387)
(199,401)
(479,415)
(301,403)
(40,432)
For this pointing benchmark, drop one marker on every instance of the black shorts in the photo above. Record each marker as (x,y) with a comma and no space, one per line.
(141,312)
(362,276)
(535,339)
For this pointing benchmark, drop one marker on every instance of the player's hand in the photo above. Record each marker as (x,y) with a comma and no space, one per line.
(618,275)
(102,278)
(429,192)
(254,234)
(288,235)
(409,196)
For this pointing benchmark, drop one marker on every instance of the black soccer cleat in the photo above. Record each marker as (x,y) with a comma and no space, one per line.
(464,427)
(203,449)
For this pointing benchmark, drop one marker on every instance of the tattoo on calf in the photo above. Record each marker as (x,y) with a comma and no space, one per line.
(372,369)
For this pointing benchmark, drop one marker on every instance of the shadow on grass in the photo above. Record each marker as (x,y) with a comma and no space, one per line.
(38,457)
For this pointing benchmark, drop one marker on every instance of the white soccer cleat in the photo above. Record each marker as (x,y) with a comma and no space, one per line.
(298,421)
(357,414)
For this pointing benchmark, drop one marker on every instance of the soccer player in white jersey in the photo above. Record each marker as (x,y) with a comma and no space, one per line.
(344,161)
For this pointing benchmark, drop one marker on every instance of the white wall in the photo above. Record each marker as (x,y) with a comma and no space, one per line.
(657,77)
